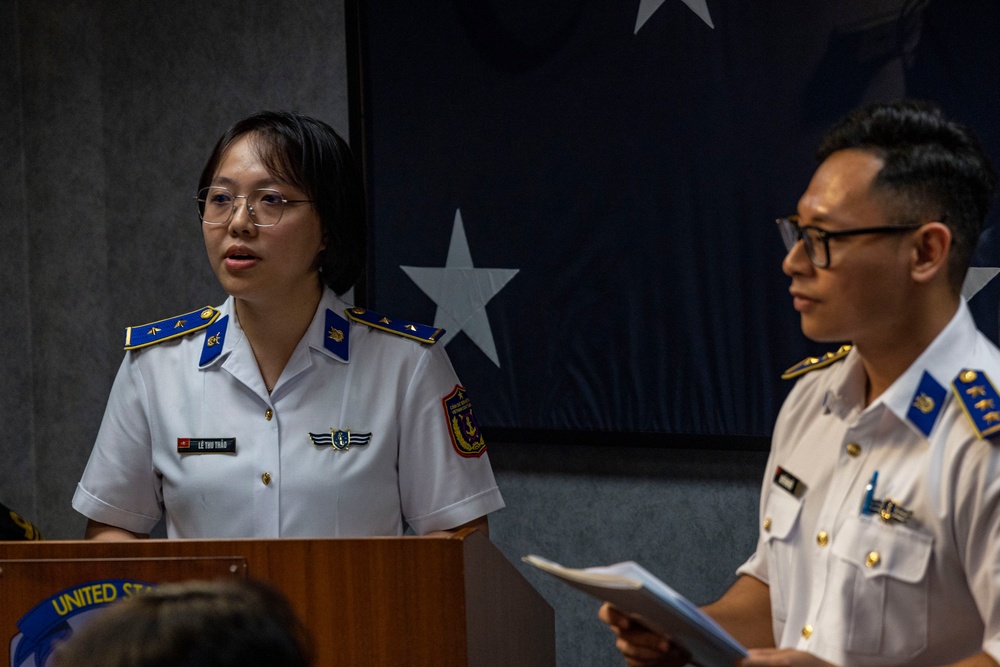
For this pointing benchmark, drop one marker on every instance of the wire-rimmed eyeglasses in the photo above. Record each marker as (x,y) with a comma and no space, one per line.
(817,241)
(216,205)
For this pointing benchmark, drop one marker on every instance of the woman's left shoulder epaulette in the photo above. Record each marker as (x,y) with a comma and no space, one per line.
(172,327)
(411,330)
(814,363)
(979,400)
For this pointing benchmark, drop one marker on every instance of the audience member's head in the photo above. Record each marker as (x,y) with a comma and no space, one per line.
(192,624)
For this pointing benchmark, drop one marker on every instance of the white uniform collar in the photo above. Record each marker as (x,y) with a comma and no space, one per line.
(942,360)
(947,354)
(315,333)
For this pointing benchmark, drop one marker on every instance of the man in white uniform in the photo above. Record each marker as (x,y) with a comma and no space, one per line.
(880,510)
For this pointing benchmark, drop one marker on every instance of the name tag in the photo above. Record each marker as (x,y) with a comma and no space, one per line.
(789,482)
(206,445)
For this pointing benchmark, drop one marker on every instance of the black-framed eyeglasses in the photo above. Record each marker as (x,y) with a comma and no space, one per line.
(817,241)
(217,205)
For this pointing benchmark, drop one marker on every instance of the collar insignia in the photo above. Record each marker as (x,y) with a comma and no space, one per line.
(336,334)
(215,336)
(926,404)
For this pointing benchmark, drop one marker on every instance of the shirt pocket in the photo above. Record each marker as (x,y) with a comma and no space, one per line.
(877,591)
(781,520)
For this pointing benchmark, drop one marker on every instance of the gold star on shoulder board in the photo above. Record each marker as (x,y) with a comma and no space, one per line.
(170,328)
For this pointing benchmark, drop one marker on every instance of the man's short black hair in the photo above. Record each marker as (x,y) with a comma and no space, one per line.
(933,169)
(310,155)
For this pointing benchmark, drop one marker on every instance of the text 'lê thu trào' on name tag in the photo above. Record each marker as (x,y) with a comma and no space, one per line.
(206,445)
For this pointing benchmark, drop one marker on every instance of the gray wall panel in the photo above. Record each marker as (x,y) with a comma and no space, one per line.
(17,485)
(61,76)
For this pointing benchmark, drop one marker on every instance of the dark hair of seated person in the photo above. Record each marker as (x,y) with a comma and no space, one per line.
(192,624)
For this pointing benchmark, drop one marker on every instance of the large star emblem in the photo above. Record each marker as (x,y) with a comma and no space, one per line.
(461,292)
(648,7)
(976,279)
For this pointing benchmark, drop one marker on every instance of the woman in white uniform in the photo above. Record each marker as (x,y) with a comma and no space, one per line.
(284,412)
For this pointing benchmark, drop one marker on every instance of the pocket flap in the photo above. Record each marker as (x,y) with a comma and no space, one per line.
(878,549)
(781,513)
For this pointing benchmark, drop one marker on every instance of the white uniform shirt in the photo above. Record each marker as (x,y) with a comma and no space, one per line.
(852,588)
(278,483)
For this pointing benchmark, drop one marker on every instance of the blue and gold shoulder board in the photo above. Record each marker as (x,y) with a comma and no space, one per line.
(979,400)
(412,330)
(172,327)
(814,363)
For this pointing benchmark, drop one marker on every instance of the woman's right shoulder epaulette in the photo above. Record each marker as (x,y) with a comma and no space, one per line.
(814,363)
(418,332)
(172,327)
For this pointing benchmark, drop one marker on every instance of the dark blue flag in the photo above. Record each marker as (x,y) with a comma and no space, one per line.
(584,193)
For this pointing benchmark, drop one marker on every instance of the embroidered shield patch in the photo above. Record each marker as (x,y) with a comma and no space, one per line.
(465,434)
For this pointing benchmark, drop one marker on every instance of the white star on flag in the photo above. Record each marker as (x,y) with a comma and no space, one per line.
(461,292)
(648,7)
(976,279)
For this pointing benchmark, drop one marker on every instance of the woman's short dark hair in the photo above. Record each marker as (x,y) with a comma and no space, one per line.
(308,154)
(933,169)
(192,624)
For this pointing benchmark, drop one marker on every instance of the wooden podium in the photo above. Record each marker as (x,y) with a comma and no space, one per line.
(406,601)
